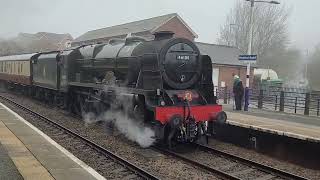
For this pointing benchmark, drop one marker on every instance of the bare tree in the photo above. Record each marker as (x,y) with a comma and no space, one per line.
(270,32)
(9,47)
(313,69)
(30,43)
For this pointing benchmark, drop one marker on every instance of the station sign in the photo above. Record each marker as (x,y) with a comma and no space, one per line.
(247,57)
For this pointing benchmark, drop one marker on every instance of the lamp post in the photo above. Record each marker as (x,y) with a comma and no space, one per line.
(246,104)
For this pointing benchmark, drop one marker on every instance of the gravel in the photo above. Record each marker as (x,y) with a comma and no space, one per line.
(264,159)
(226,165)
(160,165)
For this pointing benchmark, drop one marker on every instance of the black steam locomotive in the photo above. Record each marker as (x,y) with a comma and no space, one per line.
(166,81)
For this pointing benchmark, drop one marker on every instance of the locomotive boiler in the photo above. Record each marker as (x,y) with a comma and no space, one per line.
(174,61)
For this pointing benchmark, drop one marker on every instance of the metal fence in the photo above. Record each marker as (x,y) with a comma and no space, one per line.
(283,99)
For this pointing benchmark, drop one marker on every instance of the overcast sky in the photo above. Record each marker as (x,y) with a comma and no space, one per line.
(204,16)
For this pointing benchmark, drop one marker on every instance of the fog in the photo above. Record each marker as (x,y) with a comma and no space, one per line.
(204,16)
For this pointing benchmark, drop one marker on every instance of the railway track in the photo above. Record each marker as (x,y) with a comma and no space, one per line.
(229,166)
(117,166)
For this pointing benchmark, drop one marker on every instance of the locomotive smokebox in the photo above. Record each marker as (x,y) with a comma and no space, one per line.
(161,35)
(180,63)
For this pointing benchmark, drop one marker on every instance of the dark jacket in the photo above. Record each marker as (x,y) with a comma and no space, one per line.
(238,88)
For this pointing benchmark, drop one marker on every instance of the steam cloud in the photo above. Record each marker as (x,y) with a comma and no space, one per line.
(132,129)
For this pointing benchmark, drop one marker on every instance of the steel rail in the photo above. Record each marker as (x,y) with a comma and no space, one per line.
(261,167)
(198,164)
(137,170)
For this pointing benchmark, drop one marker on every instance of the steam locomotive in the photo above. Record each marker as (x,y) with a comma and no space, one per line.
(166,81)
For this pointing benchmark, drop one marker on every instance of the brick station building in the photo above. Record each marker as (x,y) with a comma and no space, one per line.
(225,64)
(224,58)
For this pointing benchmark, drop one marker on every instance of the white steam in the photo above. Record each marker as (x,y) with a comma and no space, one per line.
(132,129)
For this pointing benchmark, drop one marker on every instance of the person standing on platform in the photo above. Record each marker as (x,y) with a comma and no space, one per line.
(238,92)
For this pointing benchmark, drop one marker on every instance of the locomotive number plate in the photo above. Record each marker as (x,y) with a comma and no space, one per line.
(183,57)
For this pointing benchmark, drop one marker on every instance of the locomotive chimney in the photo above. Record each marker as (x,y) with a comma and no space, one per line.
(163,35)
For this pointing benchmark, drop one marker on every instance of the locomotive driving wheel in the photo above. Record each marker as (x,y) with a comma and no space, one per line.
(139,109)
(138,112)
(84,105)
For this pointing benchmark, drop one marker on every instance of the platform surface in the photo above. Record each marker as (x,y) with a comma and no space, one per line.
(7,167)
(291,125)
(27,153)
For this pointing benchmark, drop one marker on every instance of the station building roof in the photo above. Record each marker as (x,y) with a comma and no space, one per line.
(151,25)
(221,54)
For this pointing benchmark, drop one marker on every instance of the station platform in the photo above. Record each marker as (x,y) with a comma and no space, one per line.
(27,153)
(291,125)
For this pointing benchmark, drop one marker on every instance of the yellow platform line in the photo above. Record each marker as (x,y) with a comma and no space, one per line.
(28,166)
